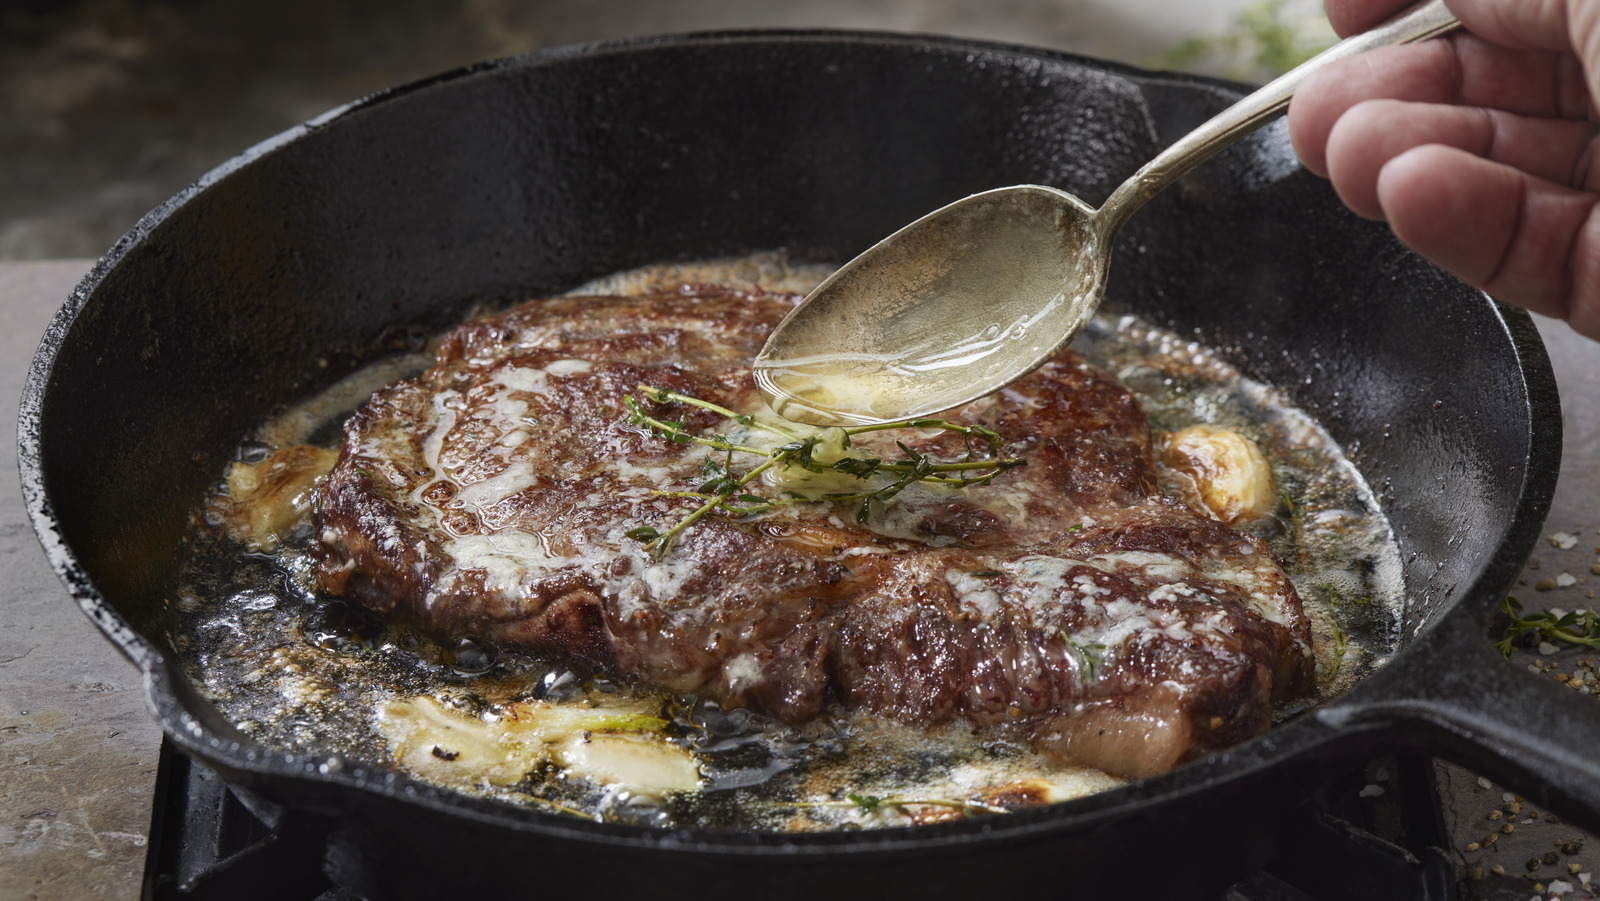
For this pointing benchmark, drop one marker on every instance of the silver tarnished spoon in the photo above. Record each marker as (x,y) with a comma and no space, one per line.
(975,295)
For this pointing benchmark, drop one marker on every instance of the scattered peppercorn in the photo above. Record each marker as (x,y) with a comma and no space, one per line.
(1532,865)
(1550,857)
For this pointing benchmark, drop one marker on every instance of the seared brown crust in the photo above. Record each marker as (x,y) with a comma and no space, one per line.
(491,495)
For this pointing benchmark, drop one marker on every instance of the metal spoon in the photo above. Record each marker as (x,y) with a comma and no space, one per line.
(973,296)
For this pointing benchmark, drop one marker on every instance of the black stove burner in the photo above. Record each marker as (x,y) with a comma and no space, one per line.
(209,840)
(1347,844)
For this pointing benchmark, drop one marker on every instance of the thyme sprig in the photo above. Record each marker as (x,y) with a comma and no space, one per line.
(1341,645)
(824,452)
(1580,627)
(1091,655)
(867,805)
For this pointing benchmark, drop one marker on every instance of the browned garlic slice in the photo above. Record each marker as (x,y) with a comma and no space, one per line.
(613,745)
(1227,473)
(268,498)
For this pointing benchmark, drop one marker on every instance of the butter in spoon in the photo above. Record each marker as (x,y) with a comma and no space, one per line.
(977,294)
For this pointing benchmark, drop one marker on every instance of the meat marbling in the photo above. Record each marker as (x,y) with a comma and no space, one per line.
(1065,604)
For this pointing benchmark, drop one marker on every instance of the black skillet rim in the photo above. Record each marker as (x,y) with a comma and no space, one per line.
(316,785)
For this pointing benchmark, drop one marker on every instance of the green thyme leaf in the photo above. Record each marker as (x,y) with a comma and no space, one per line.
(866,803)
(1090,656)
(1579,627)
(723,489)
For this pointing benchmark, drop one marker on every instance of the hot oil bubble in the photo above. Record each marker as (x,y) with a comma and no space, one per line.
(558,686)
(336,626)
(471,657)
(716,722)
(1145,380)
(256,600)
(736,749)
(634,809)
(252,451)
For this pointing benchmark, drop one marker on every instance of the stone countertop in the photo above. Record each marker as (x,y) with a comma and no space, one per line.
(1476,811)
(80,749)
(77,745)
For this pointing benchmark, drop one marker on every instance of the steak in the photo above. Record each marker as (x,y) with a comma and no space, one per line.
(1064,604)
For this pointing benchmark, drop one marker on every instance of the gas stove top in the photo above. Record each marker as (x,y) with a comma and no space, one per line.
(1373,834)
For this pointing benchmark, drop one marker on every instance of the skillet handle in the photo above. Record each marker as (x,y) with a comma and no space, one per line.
(1455,697)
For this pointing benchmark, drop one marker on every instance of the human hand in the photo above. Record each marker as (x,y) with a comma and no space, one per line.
(1477,148)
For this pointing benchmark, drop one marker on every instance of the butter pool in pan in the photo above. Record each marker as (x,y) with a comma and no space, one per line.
(302,671)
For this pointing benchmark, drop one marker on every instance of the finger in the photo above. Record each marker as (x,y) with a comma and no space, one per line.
(1526,24)
(1352,16)
(1522,239)
(1529,24)
(1370,134)
(1570,28)
(1460,69)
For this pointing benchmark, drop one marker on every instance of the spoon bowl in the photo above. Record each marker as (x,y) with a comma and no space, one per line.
(977,294)
(957,298)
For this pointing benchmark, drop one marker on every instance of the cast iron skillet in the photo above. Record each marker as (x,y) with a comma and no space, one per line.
(384,220)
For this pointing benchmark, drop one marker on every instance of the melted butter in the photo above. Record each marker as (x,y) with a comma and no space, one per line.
(833,389)
(865,388)
(506,557)
(434,444)
(263,650)
(870,346)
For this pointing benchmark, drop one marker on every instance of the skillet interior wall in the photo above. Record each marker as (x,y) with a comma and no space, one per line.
(367,232)
(1393,356)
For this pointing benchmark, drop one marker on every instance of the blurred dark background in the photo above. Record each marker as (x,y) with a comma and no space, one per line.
(108,107)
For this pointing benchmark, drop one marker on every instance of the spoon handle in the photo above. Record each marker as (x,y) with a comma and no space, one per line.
(1420,22)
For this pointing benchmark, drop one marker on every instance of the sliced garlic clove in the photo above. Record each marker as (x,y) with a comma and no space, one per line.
(1230,477)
